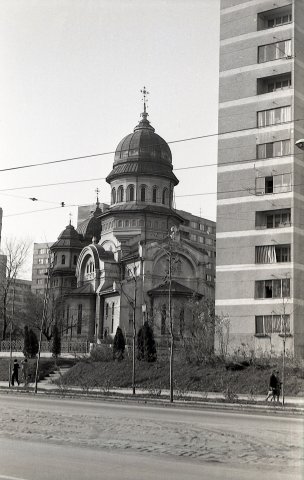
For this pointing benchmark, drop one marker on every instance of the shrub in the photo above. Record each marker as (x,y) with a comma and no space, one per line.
(119,345)
(101,353)
(146,349)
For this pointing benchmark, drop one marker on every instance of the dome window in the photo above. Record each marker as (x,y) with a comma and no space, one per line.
(120,194)
(113,196)
(62,259)
(165,196)
(143,193)
(130,193)
(154,195)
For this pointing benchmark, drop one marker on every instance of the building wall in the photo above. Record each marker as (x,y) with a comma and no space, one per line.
(41,263)
(241,172)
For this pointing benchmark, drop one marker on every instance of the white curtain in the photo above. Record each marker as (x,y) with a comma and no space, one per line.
(266,254)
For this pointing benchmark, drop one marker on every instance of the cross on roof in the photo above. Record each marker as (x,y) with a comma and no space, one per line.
(145,93)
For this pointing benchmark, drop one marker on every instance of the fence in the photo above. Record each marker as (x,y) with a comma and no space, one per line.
(66,347)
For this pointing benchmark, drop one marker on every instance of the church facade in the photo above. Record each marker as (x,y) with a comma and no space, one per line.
(123,263)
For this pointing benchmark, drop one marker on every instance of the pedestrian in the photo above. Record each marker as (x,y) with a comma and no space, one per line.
(272,386)
(24,369)
(277,391)
(15,372)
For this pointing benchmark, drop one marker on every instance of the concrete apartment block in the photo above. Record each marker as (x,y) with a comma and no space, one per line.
(260,222)
(41,263)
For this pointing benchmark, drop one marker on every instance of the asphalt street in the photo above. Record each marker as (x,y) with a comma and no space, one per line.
(51,438)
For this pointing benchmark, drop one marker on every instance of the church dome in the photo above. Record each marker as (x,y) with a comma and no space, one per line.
(143,152)
(69,237)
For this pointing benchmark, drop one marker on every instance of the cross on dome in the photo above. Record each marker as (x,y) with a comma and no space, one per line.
(145,93)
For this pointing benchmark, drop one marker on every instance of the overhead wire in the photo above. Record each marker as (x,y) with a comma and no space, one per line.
(82,157)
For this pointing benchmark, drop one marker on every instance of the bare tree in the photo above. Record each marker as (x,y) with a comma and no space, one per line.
(16,252)
(197,337)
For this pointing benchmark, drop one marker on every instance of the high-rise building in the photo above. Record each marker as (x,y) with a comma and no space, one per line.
(41,263)
(260,227)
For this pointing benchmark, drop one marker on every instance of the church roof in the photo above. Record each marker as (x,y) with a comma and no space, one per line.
(176,289)
(68,238)
(143,152)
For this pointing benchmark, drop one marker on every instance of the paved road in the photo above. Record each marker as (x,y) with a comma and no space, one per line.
(49,439)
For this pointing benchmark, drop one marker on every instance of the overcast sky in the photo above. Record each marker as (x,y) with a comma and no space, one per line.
(72,71)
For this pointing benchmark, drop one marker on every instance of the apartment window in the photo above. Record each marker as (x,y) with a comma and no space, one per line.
(273,219)
(275,288)
(208,278)
(274,51)
(40,261)
(272,254)
(274,149)
(79,319)
(274,116)
(280,20)
(267,324)
(42,251)
(275,184)
(273,83)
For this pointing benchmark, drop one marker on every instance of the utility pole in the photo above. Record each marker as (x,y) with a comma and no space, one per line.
(11,331)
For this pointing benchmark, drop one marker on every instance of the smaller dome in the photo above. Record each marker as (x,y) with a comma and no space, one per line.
(69,238)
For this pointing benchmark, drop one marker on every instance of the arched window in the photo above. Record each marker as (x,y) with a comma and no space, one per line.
(130,193)
(62,259)
(163,320)
(75,259)
(113,196)
(120,194)
(154,195)
(165,196)
(143,193)
(181,321)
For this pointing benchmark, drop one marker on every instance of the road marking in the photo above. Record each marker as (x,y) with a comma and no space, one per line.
(5,477)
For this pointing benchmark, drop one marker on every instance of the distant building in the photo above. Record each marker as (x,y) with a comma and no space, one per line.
(41,263)
(85,211)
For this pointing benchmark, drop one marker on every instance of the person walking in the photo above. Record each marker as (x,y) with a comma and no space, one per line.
(15,372)
(24,369)
(278,387)
(272,386)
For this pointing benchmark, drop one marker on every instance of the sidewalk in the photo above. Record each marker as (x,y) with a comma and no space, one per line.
(48,385)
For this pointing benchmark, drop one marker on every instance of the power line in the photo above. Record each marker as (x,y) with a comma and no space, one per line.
(82,157)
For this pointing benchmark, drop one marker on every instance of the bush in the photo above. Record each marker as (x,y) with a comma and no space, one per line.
(146,349)
(101,353)
(119,345)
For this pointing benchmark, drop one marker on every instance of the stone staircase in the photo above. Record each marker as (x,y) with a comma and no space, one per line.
(48,381)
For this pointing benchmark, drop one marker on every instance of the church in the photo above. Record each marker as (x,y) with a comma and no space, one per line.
(131,262)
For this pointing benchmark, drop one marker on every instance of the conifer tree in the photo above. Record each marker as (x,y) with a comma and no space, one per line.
(119,344)
(146,344)
(56,343)
(33,344)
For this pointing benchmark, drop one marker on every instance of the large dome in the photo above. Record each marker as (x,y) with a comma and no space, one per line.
(143,152)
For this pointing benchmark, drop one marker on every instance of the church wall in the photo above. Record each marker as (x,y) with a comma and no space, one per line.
(79,318)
